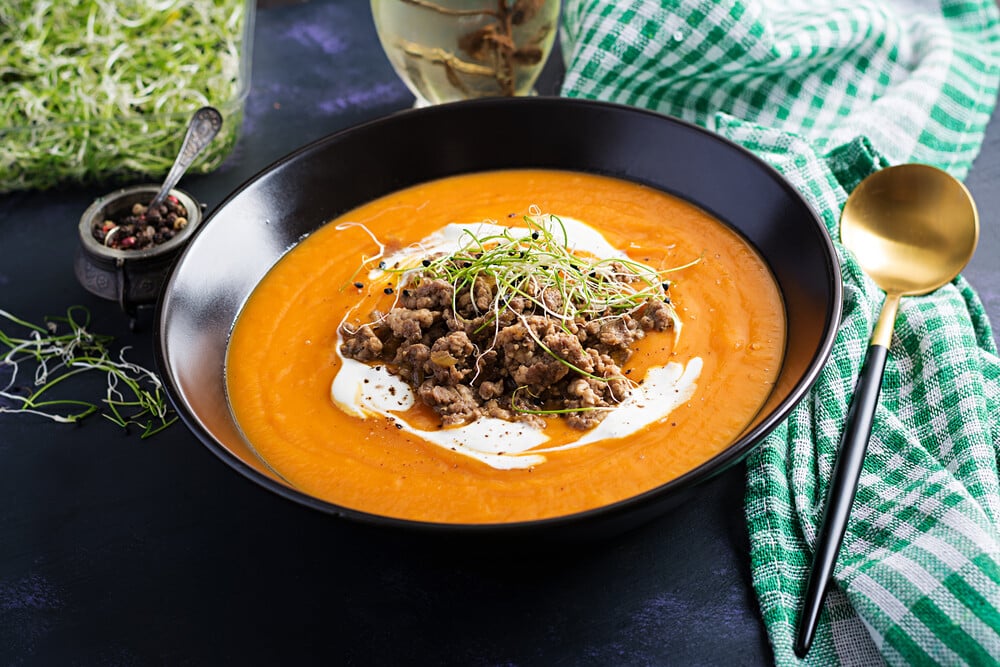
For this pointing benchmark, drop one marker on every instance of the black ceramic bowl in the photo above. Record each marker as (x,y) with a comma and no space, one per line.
(257,224)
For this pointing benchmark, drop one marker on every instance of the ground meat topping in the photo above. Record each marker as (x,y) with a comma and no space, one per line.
(464,370)
(492,333)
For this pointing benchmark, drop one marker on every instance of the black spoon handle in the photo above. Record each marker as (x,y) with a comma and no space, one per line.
(843,486)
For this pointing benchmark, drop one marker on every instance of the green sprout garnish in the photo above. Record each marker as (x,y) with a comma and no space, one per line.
(539,266)
(133,397)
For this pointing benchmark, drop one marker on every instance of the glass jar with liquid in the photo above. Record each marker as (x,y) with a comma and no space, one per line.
(449,50)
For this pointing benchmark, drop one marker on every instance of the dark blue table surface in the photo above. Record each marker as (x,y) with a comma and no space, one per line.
(126,552)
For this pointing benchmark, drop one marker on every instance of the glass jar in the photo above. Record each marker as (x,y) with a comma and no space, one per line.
(449,50)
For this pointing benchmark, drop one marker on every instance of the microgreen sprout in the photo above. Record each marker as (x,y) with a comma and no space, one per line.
(95,88)
(538,265)
(133,395)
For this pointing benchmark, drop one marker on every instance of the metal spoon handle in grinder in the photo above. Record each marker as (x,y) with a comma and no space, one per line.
(205,124)
(846,473)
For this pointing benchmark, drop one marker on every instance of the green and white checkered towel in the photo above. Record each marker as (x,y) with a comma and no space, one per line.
(828,92)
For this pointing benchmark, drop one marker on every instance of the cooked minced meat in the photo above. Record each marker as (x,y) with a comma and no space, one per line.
(466,358)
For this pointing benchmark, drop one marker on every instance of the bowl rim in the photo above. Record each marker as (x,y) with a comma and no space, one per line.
(745,442)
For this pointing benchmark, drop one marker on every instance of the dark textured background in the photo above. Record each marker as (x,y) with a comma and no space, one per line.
(116,551)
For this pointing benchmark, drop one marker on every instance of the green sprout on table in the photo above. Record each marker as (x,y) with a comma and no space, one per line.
(64,349)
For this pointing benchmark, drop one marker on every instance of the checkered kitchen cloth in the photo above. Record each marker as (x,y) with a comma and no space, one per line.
(828,92)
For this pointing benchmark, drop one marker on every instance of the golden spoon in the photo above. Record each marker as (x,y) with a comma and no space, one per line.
(912,228)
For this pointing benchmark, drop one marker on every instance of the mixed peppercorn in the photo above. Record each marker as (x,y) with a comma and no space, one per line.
(139,227)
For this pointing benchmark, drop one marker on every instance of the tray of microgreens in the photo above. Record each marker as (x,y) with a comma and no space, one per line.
(102,89)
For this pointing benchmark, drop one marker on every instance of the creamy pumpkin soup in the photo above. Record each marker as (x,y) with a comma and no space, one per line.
(504,346)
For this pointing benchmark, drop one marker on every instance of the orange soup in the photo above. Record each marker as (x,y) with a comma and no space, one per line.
(284,360)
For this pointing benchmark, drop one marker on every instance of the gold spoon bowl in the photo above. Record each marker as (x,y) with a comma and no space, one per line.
(912,228)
